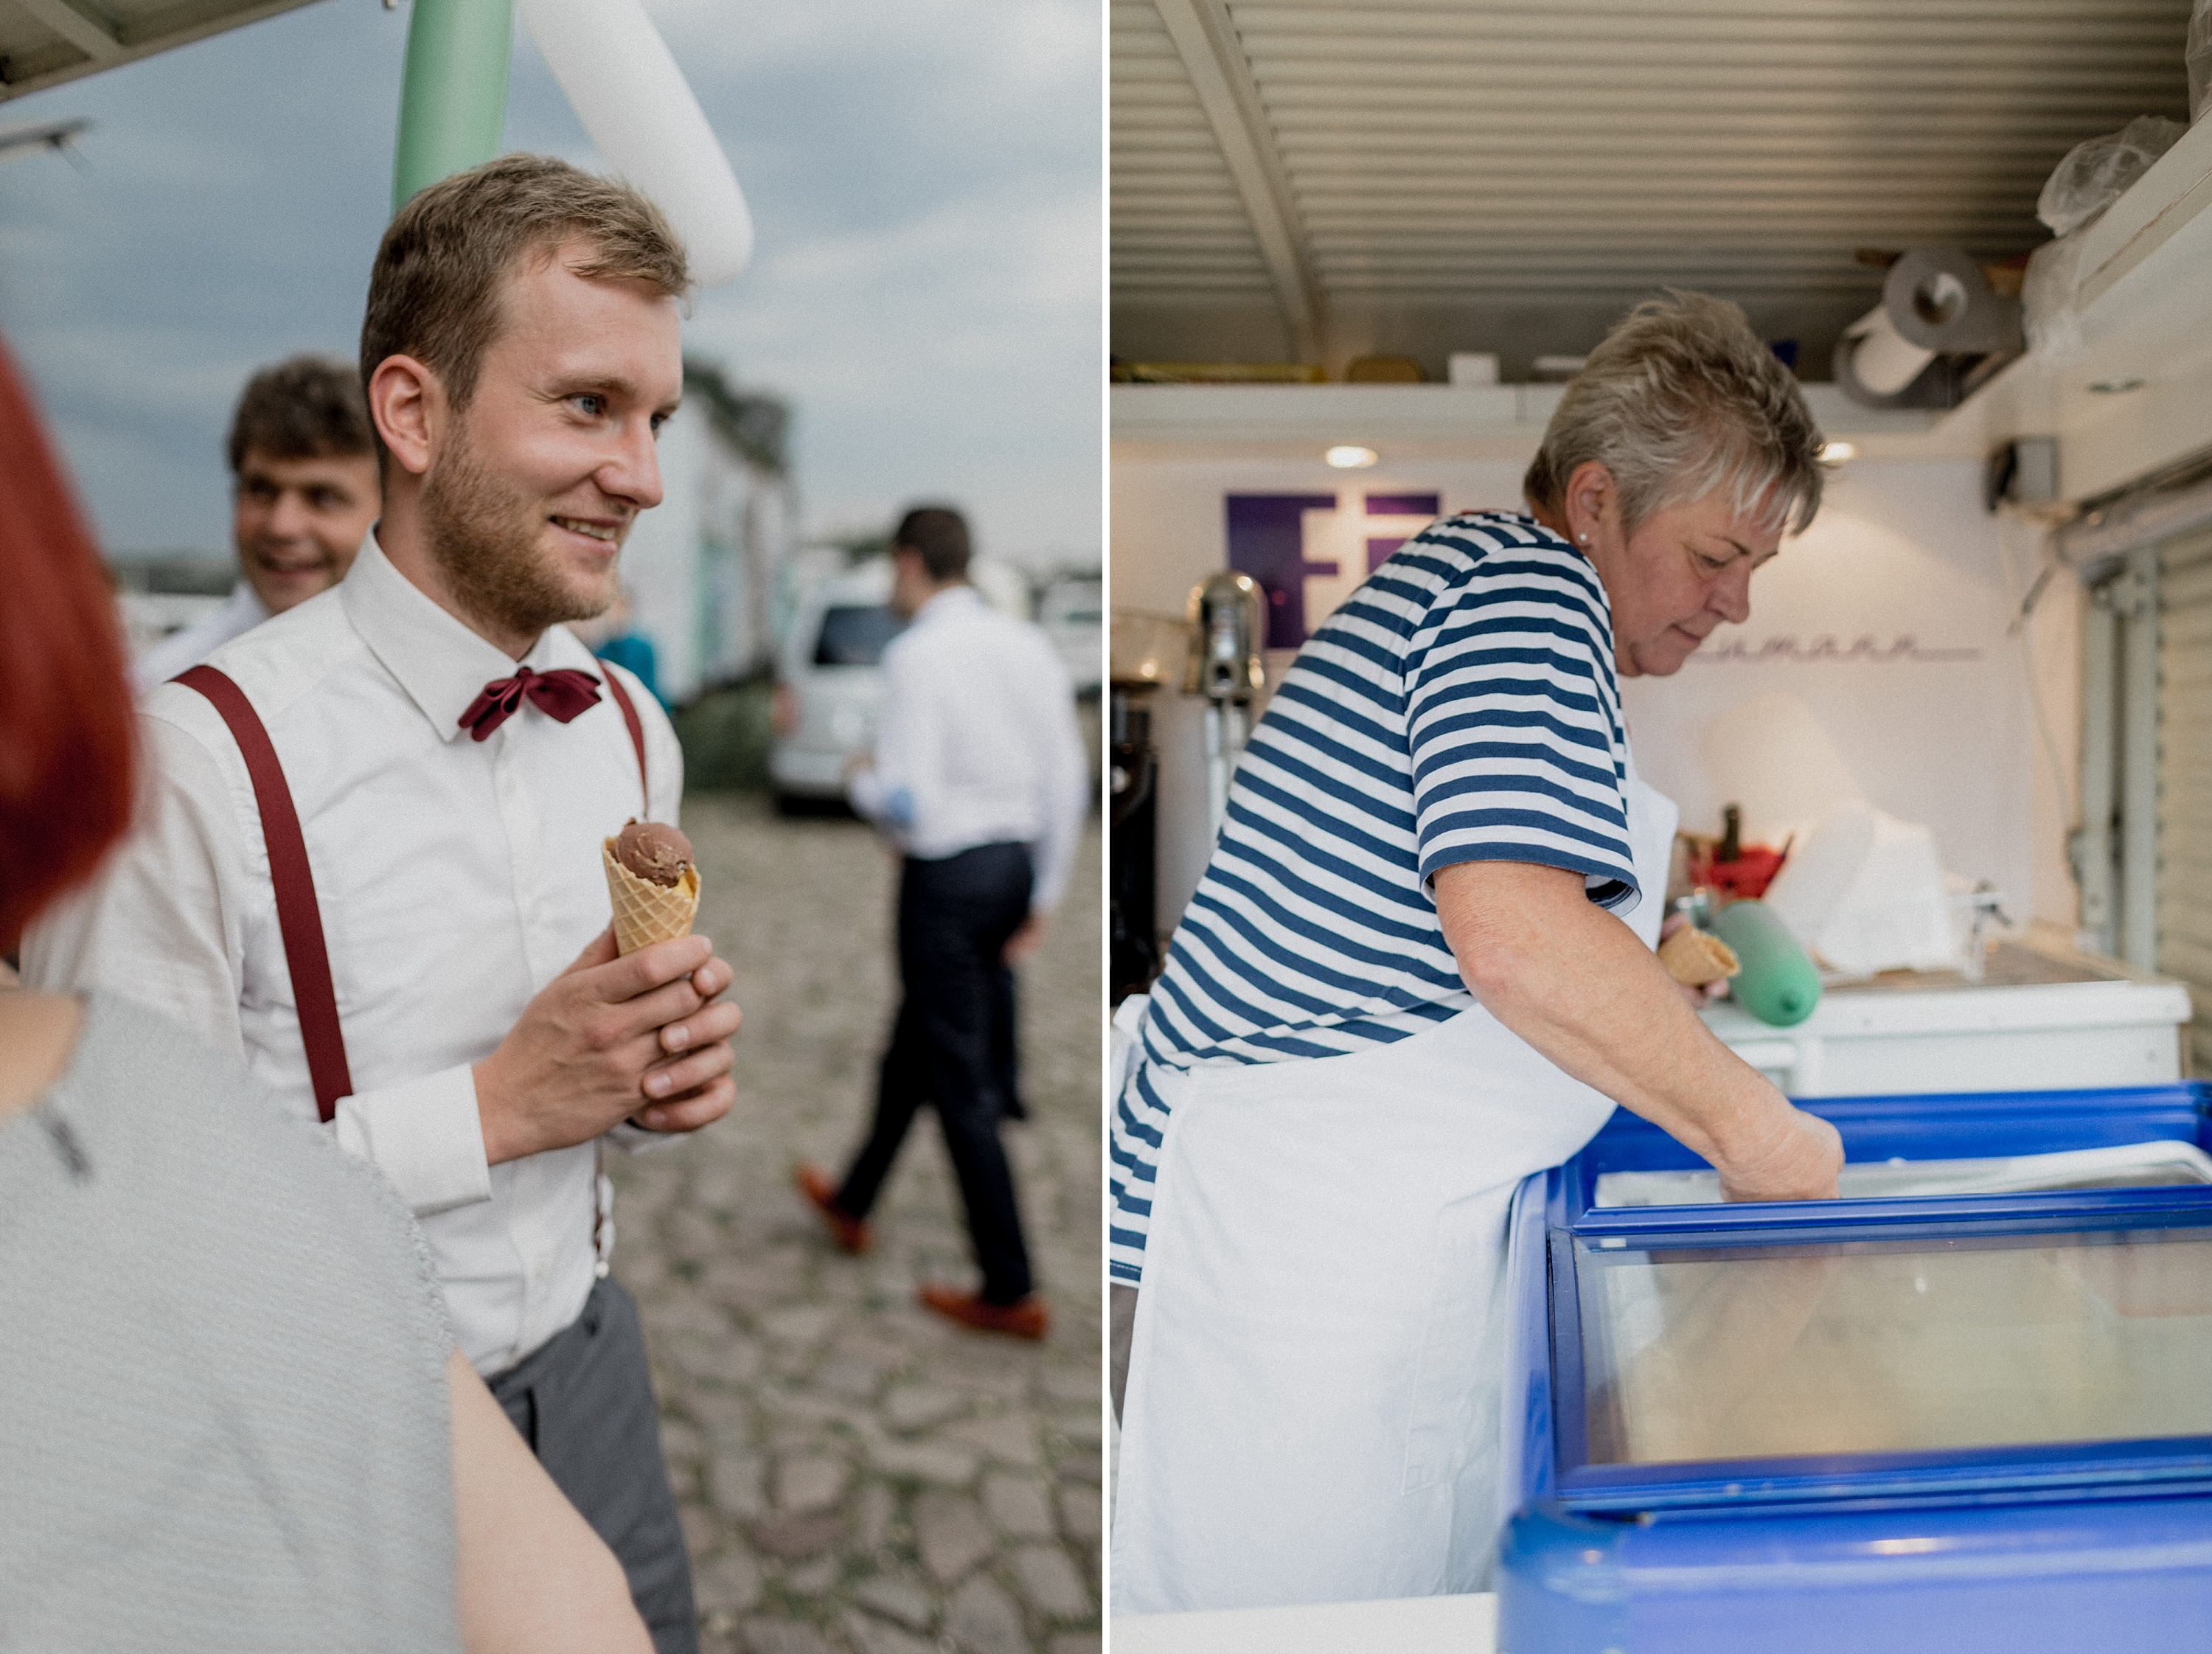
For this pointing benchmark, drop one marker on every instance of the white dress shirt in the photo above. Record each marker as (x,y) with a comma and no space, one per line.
(978,743)
(188,646)
(455,878)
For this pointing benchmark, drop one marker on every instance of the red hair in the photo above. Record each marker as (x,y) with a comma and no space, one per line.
(67,729)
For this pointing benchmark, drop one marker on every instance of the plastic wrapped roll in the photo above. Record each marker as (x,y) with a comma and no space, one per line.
(640,110)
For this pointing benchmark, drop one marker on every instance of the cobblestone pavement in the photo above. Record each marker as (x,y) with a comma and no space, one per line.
(856,1474)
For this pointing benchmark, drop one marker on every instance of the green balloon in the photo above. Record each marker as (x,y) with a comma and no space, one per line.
(1778,984)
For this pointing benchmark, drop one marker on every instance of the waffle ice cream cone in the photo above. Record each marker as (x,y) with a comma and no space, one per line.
(1694,958)
(645,912)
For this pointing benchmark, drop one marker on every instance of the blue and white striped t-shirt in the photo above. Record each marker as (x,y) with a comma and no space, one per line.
(1461,706)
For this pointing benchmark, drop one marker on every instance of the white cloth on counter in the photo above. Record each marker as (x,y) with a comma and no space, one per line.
(2161,1163)
(1865,892)
(978,742)
(188,646)
(1313,1405)
(455,878)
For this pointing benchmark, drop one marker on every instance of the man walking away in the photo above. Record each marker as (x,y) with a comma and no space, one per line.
(303,494)
(979,776)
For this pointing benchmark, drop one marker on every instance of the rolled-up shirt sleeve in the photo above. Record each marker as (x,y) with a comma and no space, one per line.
(425,1135)
(1514,721)
(1063,774)
(908,758)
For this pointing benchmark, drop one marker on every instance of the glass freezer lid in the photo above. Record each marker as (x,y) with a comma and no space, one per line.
(1691,1372)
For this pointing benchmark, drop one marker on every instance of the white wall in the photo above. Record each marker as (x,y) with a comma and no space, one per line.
(659,563)
(678,594)
(1933,721)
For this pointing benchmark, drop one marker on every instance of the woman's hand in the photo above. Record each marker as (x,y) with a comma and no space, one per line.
(1796,1157)
(1697,998)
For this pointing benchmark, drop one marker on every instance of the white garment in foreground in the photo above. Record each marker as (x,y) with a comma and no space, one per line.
(978,743)
(1312,1411)
(188,646)
(455,878)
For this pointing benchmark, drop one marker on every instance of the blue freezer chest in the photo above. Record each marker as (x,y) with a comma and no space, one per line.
(1968,1423)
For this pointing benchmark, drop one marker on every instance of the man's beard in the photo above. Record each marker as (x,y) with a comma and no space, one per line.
(483,536)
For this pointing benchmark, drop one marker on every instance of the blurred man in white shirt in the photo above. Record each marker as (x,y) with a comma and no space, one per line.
(979,777)
(304,491)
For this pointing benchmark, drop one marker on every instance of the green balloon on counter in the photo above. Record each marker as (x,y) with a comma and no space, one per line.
(1778,984)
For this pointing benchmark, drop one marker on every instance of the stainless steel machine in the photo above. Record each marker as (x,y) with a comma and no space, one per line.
(1228,623)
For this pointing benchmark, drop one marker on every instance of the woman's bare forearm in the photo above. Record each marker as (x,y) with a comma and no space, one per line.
(534,1578)
(1579,987)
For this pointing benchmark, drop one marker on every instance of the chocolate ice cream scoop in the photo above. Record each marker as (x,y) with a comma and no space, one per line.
(653,850)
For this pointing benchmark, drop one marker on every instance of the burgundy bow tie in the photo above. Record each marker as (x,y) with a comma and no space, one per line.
(560,694)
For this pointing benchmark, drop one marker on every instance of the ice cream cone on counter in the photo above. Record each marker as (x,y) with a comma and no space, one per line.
(653,883)
(1694,958)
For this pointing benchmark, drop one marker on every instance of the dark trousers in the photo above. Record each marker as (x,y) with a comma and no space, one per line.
(952,1047)
(584,1402)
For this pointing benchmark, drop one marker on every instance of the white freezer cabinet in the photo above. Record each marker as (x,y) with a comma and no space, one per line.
(2036,1020)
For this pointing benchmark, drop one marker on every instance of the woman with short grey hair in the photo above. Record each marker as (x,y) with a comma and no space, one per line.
(1419,967)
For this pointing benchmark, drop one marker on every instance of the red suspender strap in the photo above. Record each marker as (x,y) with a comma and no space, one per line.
(636,735)
(637,745)
(299,918)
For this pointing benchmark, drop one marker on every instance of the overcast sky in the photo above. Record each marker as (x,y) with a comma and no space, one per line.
(924,176)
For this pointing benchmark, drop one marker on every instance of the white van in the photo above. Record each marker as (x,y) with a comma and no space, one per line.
(829,685)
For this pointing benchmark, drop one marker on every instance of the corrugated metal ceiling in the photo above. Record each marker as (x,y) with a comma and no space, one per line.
(44,42)
(1334,177)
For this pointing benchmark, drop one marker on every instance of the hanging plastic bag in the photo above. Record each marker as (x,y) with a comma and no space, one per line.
(2047,314)
(2098,171)
(2196,57)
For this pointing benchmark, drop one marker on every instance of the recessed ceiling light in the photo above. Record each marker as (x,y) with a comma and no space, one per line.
(1347,456)
(1834,453)
(2115,387)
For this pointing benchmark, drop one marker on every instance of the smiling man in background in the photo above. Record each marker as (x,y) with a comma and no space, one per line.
(303,494)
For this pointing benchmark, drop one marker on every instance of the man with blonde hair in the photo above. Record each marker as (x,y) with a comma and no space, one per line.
(373,864)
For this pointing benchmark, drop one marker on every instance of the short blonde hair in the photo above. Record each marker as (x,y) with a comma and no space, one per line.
(1681,399)
(433,292)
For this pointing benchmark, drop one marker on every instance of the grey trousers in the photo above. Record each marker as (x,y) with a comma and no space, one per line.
(584,1402)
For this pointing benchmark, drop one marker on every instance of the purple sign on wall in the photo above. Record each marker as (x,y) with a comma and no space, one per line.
(1266,540)
(1404,505)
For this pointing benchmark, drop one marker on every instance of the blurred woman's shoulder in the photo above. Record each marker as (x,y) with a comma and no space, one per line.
(204,1294)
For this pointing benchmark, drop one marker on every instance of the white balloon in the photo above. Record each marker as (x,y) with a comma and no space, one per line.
(640,110)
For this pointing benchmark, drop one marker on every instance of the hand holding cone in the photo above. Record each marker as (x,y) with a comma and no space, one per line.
(1694,958)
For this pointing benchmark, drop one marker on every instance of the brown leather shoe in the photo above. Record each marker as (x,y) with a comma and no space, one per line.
(851,1234)
(1024,1318)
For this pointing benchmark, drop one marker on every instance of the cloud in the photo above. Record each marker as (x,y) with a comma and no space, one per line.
(925,177)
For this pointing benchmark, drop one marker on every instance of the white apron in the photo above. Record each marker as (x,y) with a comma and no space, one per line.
(1312,1406)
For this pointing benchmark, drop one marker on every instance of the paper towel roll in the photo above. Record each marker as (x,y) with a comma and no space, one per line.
(1882,359)
(1938,299)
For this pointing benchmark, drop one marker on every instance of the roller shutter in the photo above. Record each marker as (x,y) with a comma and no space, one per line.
(2183,948)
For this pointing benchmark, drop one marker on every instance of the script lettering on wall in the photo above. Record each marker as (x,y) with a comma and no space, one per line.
(1866,649)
